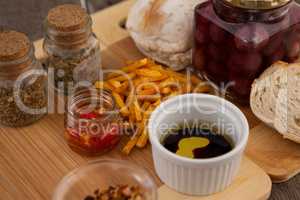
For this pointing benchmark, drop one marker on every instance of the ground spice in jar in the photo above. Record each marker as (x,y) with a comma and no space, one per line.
(17,57)
(72,49)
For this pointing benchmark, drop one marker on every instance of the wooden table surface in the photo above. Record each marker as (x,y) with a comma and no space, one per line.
(289,190)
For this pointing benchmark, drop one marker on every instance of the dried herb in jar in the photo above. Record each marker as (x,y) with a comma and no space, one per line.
(16,58)
(67,71)
(32,96)
(73,50)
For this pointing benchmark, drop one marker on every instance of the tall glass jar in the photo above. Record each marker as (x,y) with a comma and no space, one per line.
(72,49)
(235,41)
(92,122)
(23,91)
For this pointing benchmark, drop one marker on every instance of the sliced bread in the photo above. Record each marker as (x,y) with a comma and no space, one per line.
(275,99)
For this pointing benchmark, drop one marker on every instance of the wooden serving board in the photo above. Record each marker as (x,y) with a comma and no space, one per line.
(265,144)
(33,159)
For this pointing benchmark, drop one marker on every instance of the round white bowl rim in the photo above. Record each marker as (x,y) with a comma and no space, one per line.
(237,149)
(61,185)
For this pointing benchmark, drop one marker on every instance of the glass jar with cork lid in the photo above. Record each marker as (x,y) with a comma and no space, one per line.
(236,40)
(23,91)
(72,49)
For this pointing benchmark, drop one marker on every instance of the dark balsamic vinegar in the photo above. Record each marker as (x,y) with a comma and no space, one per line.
(218,144)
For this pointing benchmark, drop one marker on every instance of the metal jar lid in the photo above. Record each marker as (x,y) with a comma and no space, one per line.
(258,4)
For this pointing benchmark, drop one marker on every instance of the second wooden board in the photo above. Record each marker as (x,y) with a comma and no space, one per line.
(279,157)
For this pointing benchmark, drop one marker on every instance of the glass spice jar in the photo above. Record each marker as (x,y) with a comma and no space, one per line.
(92,122)
(72,49)
(236,40)
(23,88)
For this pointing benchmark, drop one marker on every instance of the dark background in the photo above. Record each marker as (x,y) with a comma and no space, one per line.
(27,16)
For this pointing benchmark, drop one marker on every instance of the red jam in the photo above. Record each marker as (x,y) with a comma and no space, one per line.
(233,46)
(92,127)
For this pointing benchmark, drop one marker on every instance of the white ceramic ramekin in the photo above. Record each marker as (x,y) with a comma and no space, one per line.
(198,176)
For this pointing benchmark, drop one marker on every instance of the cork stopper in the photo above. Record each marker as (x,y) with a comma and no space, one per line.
(13,45)
(67,17)
(258,4)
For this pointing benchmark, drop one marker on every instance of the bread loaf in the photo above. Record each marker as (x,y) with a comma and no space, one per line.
(275,99)
(162,30)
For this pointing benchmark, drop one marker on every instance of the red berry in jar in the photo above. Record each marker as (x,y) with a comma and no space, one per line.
(241,87)
(201,34)
(198,58)
(216,71)
(245,64)
(217,53)
(201,18)
(243,42)
(217,34)
(252,37)
(277,55)
(293,51)
(275,43)
(294,13)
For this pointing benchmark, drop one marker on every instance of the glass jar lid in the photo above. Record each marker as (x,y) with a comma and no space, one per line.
(258,4)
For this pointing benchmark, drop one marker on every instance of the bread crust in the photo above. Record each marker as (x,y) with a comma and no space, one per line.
(282,97)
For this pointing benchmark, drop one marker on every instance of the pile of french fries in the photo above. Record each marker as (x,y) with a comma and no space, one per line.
(140,87)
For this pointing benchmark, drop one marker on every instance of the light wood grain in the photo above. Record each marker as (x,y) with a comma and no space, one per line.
(236,191)
(279,157)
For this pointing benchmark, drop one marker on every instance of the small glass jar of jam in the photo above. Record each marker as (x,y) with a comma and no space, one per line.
(71,47)
(236,40)
(92,122)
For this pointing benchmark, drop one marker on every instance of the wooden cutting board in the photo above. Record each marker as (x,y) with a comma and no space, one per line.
(265,144)
(33,159)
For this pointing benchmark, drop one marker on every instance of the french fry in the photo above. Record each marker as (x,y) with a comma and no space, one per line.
(129,146)
(159,78)
(130,103)
(157,103)
(123,88)
(195,80)
(130,68)
(202,88)
(121,78)
(156,67)
(166,90)
(151,84)
(151,98)
(103,85)
(149,73)
(120,103)
(132,142)
(143,139)
(115,84)
(145,106)
(135,65)
(137,109)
